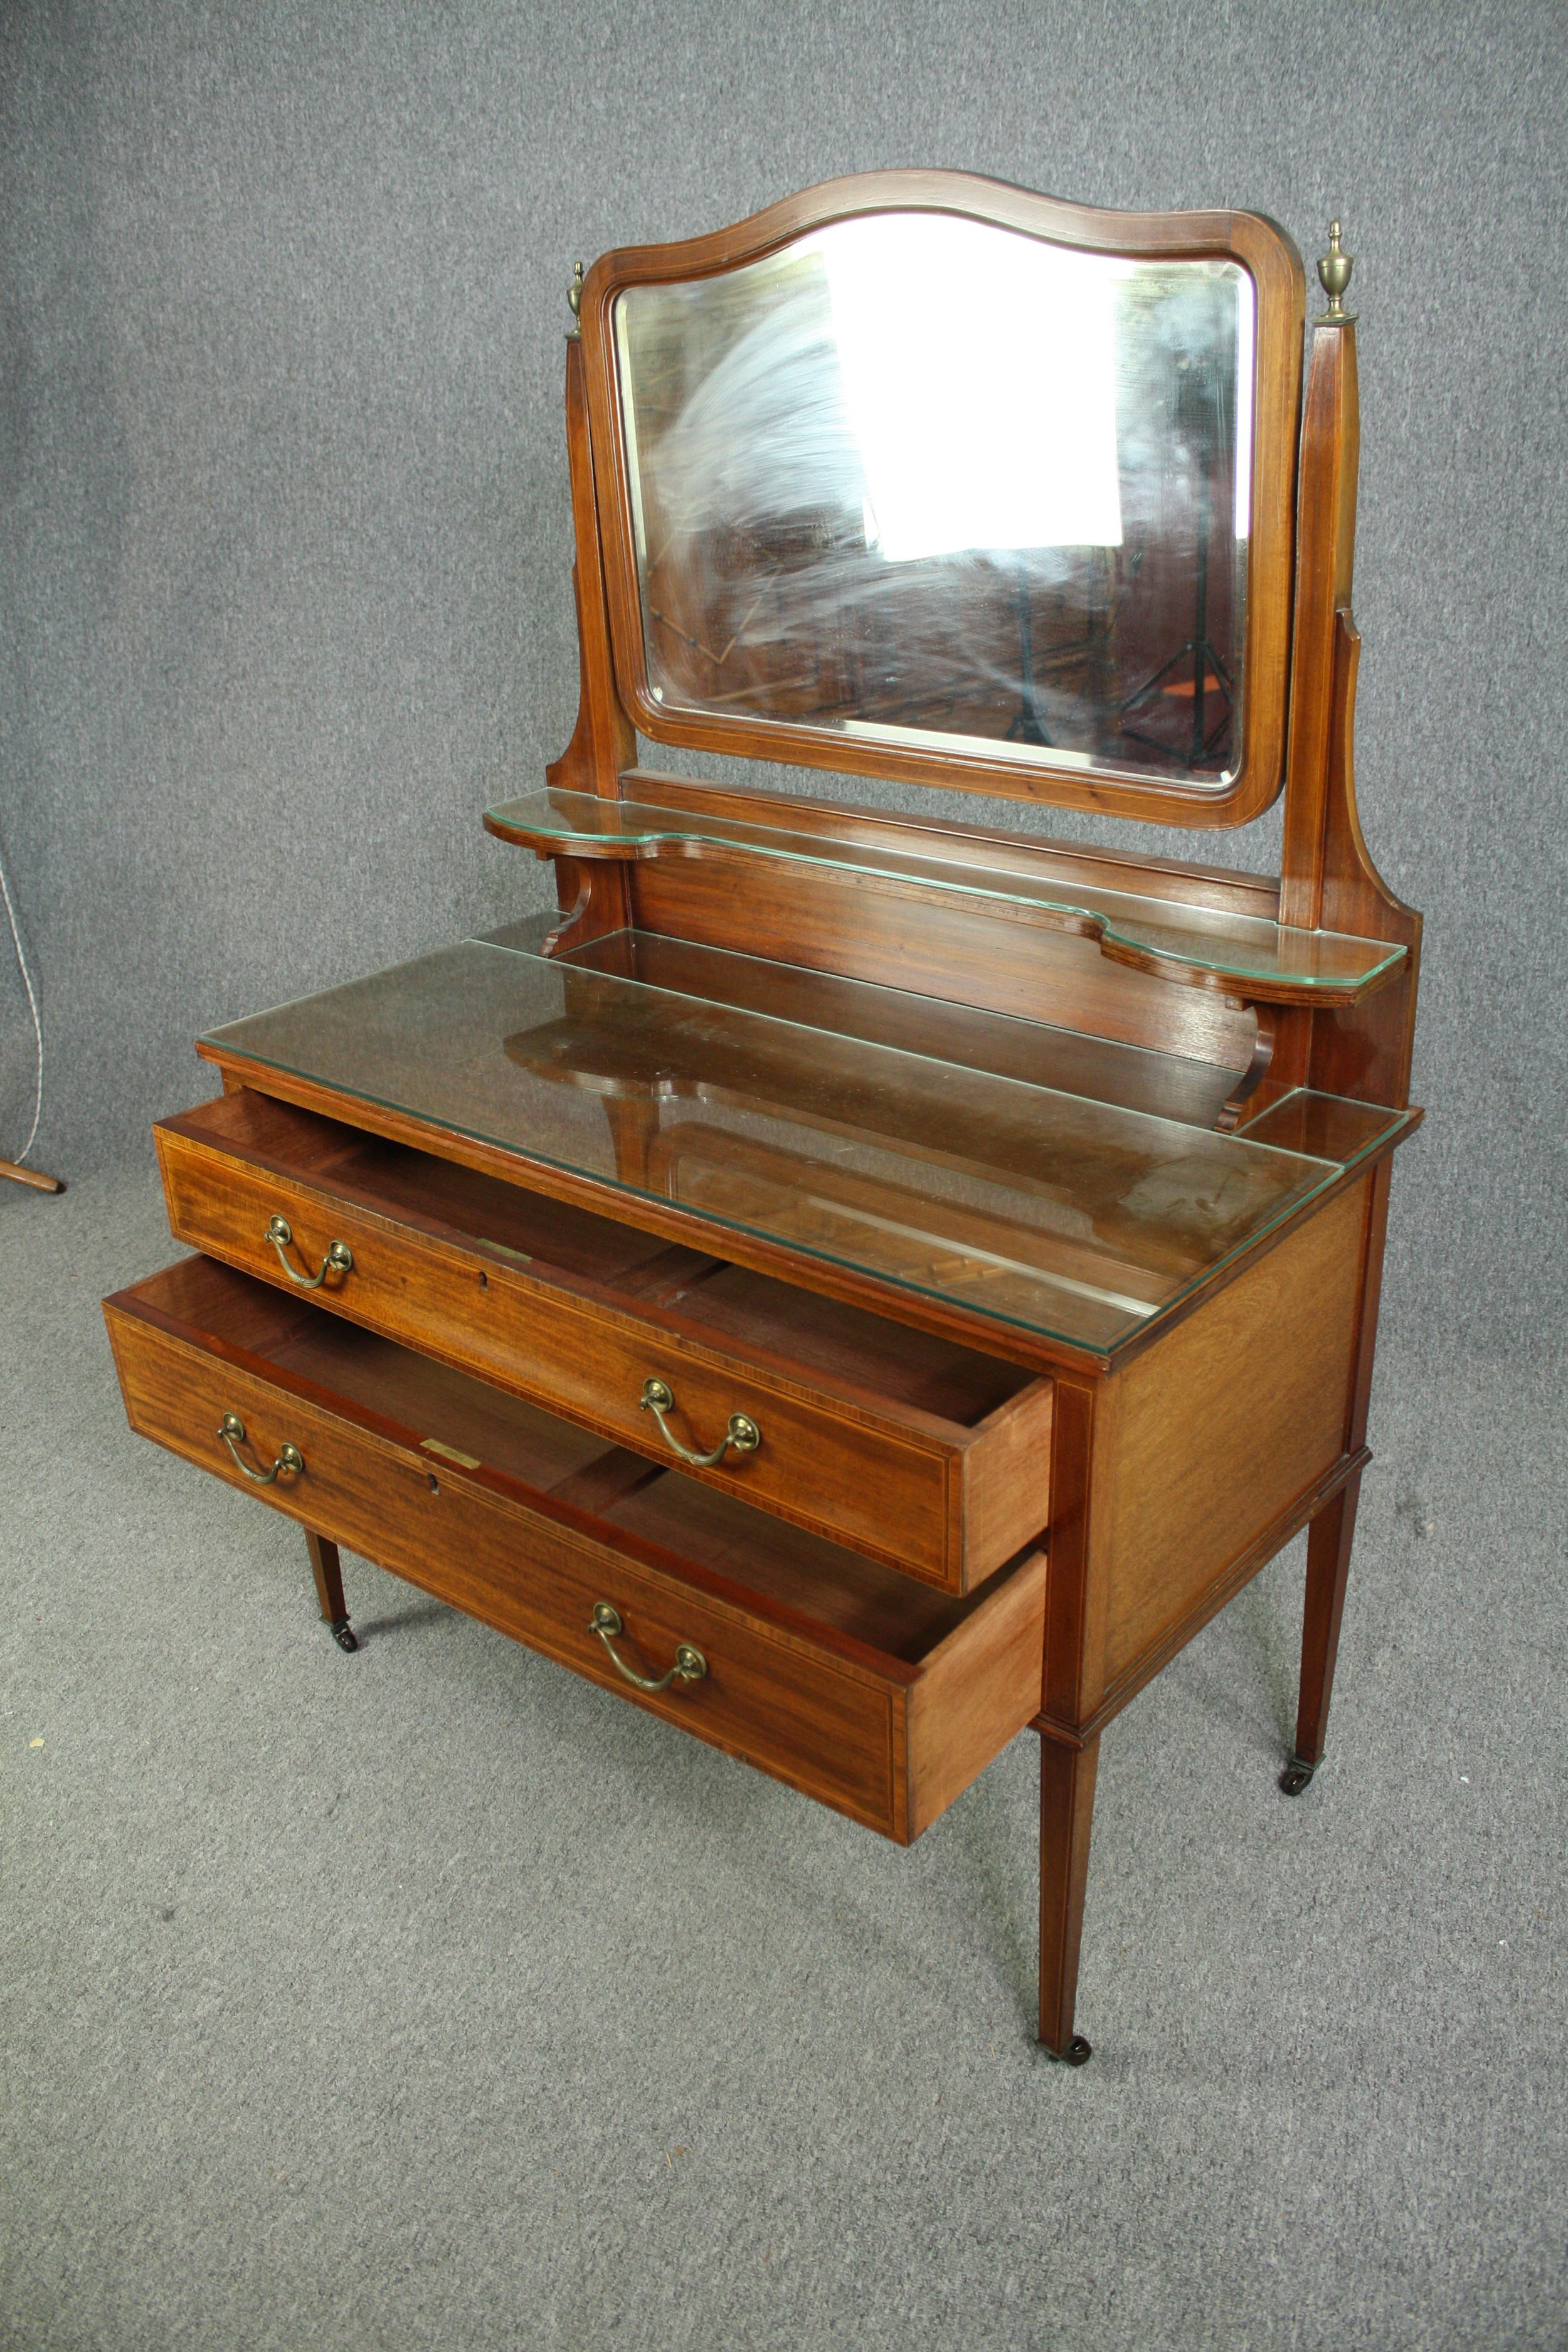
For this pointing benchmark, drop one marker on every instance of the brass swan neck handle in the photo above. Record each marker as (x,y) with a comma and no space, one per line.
(658,1397)
(689,1666)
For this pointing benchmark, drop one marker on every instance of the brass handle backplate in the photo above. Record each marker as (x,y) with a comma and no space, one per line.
(689,1666)
(231,1429)
(658,1397)
(340,1258)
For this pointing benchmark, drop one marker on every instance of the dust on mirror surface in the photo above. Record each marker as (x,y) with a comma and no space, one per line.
(918,478)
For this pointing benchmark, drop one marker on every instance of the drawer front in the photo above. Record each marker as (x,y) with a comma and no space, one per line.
(945,1504)
(828,1728)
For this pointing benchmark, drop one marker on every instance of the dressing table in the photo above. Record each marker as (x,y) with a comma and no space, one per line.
(858,1283)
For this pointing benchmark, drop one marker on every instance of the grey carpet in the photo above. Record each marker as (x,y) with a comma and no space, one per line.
(431,1998)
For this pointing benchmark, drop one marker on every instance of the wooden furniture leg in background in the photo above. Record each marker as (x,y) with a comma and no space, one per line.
(1066,1809)
(1329,1540)
(34,1177)
(329,1575)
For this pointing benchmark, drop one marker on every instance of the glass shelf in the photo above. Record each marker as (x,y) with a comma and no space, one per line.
(1021,1205)
(1068,1061)
(1262,959)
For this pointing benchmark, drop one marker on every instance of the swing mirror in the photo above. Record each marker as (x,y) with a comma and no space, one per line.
(917,491)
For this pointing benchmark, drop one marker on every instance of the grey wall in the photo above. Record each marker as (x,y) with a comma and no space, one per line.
(286,536)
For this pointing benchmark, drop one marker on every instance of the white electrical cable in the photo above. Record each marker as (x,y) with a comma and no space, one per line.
(33,1007)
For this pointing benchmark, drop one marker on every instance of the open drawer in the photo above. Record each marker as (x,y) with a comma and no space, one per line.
(907,1447)
(873,1693)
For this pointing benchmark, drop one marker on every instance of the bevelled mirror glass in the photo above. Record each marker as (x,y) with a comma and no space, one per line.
(925,480)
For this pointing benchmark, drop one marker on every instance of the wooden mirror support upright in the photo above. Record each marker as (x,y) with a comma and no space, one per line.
(858,1284)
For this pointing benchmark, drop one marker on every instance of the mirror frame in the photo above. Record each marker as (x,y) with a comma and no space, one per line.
(1261,248)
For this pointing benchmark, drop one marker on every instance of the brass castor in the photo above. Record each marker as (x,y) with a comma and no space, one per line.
(1078,2052)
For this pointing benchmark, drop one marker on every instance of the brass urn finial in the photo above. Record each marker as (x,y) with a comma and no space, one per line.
(574,299)
(1334,270)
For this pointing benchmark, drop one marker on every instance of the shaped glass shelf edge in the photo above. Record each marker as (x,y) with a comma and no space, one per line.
(1239,947)
(1065,1218)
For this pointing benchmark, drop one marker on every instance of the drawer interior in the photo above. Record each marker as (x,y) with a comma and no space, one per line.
(730,1305)
(450,1416)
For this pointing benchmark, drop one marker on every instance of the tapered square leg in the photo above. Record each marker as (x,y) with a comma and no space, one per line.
(328,1572)
(1066,1809)
(1329,1541)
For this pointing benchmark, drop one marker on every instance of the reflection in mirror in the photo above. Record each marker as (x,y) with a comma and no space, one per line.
(916,477)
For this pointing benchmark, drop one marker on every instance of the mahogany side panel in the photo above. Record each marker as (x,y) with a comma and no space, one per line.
(1226,1422)
(1266,1545)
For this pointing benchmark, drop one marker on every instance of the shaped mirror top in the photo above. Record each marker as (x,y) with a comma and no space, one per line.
(919,480)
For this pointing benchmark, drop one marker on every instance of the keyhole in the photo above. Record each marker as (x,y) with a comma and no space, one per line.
(431,1482)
